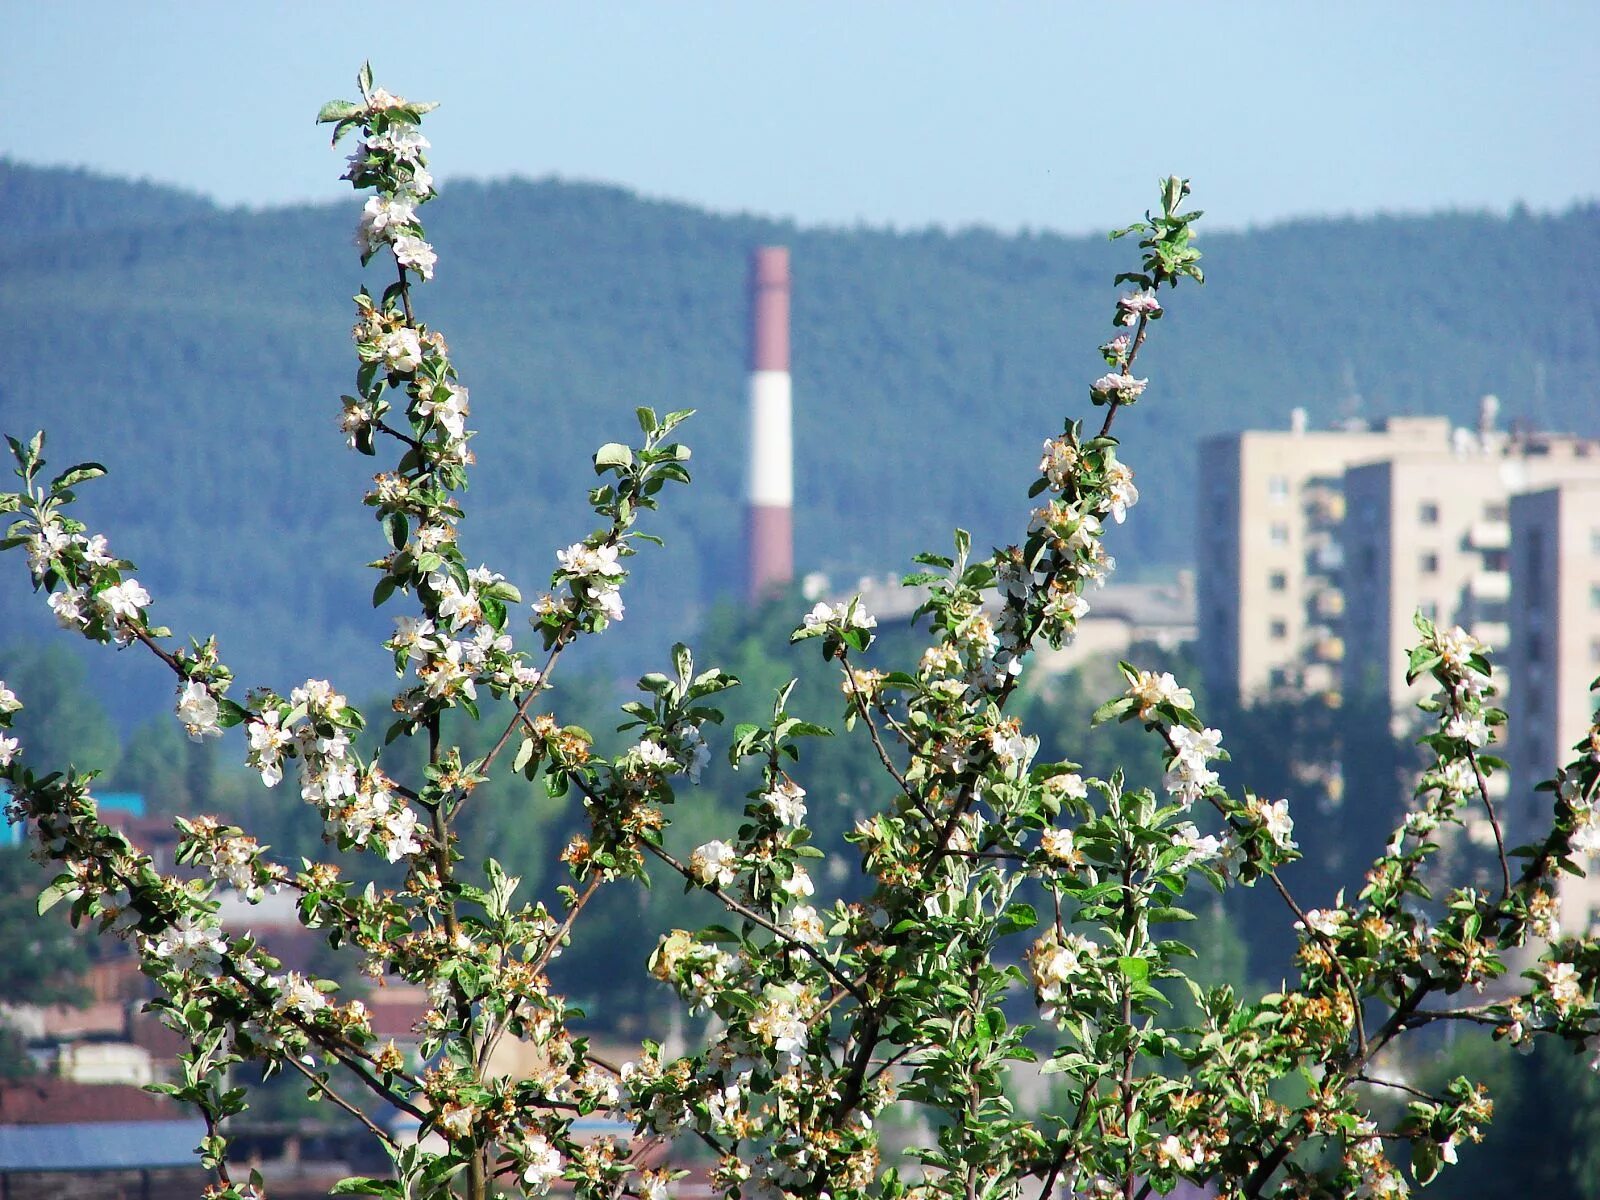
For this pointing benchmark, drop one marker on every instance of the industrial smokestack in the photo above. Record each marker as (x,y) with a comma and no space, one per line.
(769,486)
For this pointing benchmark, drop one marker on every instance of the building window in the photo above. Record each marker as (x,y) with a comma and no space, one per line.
(1535,646)
(1278,488)
(1278,677)
(1428,563)
(1594,596)
(1428,512)
(1278,581)
(1278,533)
(1594,542)
(1495,512)
(1496,560)
(1594,651)
(1279,630)
(1429,609)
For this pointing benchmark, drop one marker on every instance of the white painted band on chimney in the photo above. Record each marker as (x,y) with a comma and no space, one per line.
(771,467)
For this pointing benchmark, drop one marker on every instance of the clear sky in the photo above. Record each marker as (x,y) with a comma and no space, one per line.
(1051,115)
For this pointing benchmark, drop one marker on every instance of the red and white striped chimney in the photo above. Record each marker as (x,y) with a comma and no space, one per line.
(769,485)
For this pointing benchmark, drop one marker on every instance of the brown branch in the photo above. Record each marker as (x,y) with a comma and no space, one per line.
(323,1086)
(756,918)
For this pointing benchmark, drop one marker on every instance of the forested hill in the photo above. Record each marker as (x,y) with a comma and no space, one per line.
(201,353)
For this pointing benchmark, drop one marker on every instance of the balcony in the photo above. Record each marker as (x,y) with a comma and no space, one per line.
(1328,603)
(1490,535)
(1491,586)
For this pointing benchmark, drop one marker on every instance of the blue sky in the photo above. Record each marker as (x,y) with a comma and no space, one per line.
(1049,115)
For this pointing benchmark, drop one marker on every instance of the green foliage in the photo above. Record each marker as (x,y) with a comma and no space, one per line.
(63,714)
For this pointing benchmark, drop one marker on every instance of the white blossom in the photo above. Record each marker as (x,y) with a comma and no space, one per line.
(123,600)
(188,944)
(1150,689)
(1132,306)
(197,709)
(416,254)
(850,615)
(714,864)
(381,219)
(544,1164)
(787,802)
(581,559)
(805,925)
(401,351)
(449,413)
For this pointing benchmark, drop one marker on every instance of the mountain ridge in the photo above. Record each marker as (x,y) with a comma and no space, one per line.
(191,348)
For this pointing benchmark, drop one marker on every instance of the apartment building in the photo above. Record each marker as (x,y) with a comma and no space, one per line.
(1271,590)
(1429,530)
(1555,624)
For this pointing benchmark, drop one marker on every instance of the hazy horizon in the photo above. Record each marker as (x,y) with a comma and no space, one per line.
(1028,115)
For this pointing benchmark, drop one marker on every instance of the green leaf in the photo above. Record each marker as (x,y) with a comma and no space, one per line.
(612,455)
(1017,918)
(1111,709)
(58,890)
(76,475)
(337,110)
(1134,970)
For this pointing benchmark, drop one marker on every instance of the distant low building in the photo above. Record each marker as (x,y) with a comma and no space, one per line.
(1120,616)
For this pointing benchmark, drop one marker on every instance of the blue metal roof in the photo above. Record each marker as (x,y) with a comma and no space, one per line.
(100,1145)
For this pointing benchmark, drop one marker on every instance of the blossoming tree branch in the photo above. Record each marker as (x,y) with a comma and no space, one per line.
(826,1015)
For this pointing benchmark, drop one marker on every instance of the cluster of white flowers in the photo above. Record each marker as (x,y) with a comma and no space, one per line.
(596,577)
(1151,689)
(780,1020)
(394,155)
(848,614)
(1180,1153)
(788,803)
(1273,816)
(1187,775)
(357,802)
(1056,962)
(1069,785)
(1075,536)
(1115,387)
(805,924)
(544,1164)
(1121,495)
(233,861)
(1329,922)
(375,813)
(1457,647)
(9,746)
(715,864)
(446,405)
(1012,749)
(197,709)
(189,944)
(1470,728)
(1060,845)
(1202,850)
(460,649)
(119,604)
(1134,305)
(1060,462)
(1566,990)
